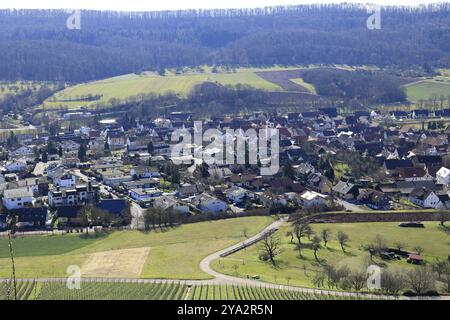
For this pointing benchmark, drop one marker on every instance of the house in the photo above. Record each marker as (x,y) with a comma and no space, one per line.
(115,177)
(309,199)
(443,176)
(414,174)
(141,172)
(392,165)
(425,198)
(31,217)
(345,190)
(144,195)
(64,181)
(374,199)
(39,186)
(269,200)
(73,196)
(142,184)
(209,204)
(24,151)
(116,139)
(238,195)
(16,166)
(18,198)
(170,203)
(188,190)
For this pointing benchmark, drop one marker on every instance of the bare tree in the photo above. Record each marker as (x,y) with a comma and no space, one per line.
(357,280)
(326,235)
(393,281)
(421,280)
(270,247)
(301,230)
(439,266)
(418,249)
(291,235)
(316,246)
(343,239)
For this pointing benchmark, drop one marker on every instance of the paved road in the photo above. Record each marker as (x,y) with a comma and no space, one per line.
(352,207)
(137,213)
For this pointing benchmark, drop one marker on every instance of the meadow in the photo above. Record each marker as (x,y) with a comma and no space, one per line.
(294,270)
(427,89)
(174,253)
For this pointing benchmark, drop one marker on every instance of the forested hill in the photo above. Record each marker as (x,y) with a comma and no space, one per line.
(36,45)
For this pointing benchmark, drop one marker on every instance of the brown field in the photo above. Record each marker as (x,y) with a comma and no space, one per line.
(126,263)
(283,78)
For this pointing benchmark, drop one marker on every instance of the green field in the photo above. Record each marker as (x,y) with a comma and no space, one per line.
(126,86)
(428,89)
(151,291)
(174,253)
(300,271)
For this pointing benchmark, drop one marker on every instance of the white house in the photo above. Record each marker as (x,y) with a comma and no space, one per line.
(208,204)
(17,198)
(65,181)
(425,198)
(310,199)
(171,203)
(142,195)
(237,194)
(142,172)
(443,176)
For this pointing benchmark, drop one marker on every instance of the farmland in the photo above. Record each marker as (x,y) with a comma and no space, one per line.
(32,290)
(300,271)
(127,86)
(174,253)
(428,89)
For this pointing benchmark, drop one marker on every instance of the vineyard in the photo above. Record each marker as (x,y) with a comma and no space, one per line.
(151,291)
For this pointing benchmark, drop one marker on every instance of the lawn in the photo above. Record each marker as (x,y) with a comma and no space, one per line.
(300,271)
(132,85)
(175,253)
(427,89)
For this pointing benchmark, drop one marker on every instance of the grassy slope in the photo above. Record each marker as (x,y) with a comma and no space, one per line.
(132,85)
(434,241)
(175,253)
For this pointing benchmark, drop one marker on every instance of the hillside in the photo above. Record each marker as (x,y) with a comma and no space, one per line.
(36,45)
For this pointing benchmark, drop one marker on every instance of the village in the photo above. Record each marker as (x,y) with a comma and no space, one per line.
(121,170)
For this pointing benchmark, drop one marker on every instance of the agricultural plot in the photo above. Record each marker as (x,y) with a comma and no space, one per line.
(283,78)
(154,291)
(131,85)
(125,263)
(428,89)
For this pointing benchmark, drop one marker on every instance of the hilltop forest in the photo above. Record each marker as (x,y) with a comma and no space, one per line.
(36,45)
